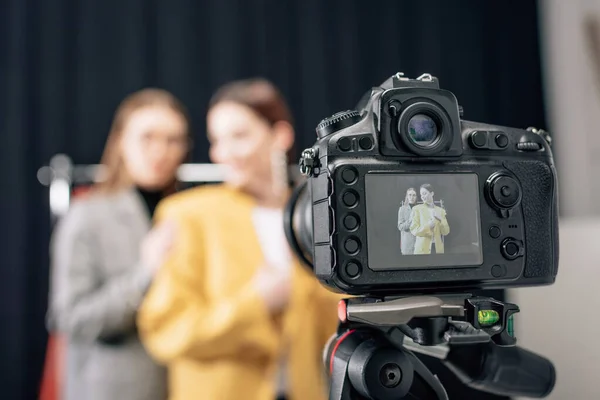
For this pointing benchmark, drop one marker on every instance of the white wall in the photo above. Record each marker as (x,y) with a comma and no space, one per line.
(572,87)
(562,321)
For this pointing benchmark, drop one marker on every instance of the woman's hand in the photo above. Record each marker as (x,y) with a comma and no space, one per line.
(274,285)
(156,245)
(432,223)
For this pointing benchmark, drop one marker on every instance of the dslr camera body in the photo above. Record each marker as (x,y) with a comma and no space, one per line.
(406,198)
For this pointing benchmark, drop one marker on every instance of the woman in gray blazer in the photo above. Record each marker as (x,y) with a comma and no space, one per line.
(407,239)
(105,254)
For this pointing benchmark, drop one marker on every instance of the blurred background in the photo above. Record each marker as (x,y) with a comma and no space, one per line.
(66,64)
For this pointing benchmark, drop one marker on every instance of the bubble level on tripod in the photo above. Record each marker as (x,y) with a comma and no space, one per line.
(487,317)
(510,327)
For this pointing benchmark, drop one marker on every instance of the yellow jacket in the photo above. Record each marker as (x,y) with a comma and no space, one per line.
(421,216)
(202,318)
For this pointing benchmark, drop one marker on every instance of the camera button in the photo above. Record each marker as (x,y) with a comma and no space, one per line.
(511,248)
(349,175)
(498,271)
(495,232)
(350,198)
(479,139)
(504,191)
(501,140)
(365,143)
(351,222)
(353,269)
(352,245)
(344,144)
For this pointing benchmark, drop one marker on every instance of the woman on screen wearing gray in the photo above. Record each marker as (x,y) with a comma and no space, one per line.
(105,255)
(407,239)
(429,224)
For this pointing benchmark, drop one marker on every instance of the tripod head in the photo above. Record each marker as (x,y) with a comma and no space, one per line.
(371,357)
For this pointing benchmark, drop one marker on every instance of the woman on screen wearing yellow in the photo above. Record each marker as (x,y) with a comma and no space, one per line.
(429,224)
(232,313)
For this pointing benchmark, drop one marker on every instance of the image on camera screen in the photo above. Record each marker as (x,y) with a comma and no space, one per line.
(422,221)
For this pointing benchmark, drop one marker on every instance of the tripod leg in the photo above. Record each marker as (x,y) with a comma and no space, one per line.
(340,386)
(336,358)
(425,384)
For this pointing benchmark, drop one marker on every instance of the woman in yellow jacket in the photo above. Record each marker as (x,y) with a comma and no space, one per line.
(429,224)
(232,313)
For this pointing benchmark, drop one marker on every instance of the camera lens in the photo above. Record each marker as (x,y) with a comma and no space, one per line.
(297,218)
(422,130)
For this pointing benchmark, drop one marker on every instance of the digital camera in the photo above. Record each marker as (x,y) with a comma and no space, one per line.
(403,196)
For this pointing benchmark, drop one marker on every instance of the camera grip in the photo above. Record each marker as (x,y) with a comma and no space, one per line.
(539,205)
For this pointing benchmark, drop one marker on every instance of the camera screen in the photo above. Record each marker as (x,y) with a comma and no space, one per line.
(422,221)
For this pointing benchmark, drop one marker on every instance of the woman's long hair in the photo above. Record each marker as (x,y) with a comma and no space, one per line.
(115,175)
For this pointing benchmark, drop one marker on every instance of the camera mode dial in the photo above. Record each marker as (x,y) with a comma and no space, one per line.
(337,122)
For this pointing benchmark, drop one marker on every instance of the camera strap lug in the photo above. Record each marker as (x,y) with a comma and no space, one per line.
(309,162)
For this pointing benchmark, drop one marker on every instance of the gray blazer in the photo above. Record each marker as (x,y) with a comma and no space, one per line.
(407,239)
(97,284)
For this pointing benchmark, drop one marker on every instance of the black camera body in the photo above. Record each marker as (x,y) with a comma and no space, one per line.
(407,197)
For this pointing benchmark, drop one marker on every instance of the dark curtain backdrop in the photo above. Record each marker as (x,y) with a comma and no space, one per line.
(65,65)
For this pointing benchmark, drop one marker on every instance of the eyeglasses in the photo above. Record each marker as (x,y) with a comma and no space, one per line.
(179,142)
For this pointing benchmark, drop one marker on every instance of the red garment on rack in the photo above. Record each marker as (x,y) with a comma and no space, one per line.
(53,374)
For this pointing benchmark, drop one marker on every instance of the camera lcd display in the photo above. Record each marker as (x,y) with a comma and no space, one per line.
(423,221)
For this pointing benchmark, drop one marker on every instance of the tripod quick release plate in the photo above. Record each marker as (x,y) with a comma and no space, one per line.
(446,318)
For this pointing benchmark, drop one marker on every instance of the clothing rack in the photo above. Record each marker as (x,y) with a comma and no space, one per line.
(61,176)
